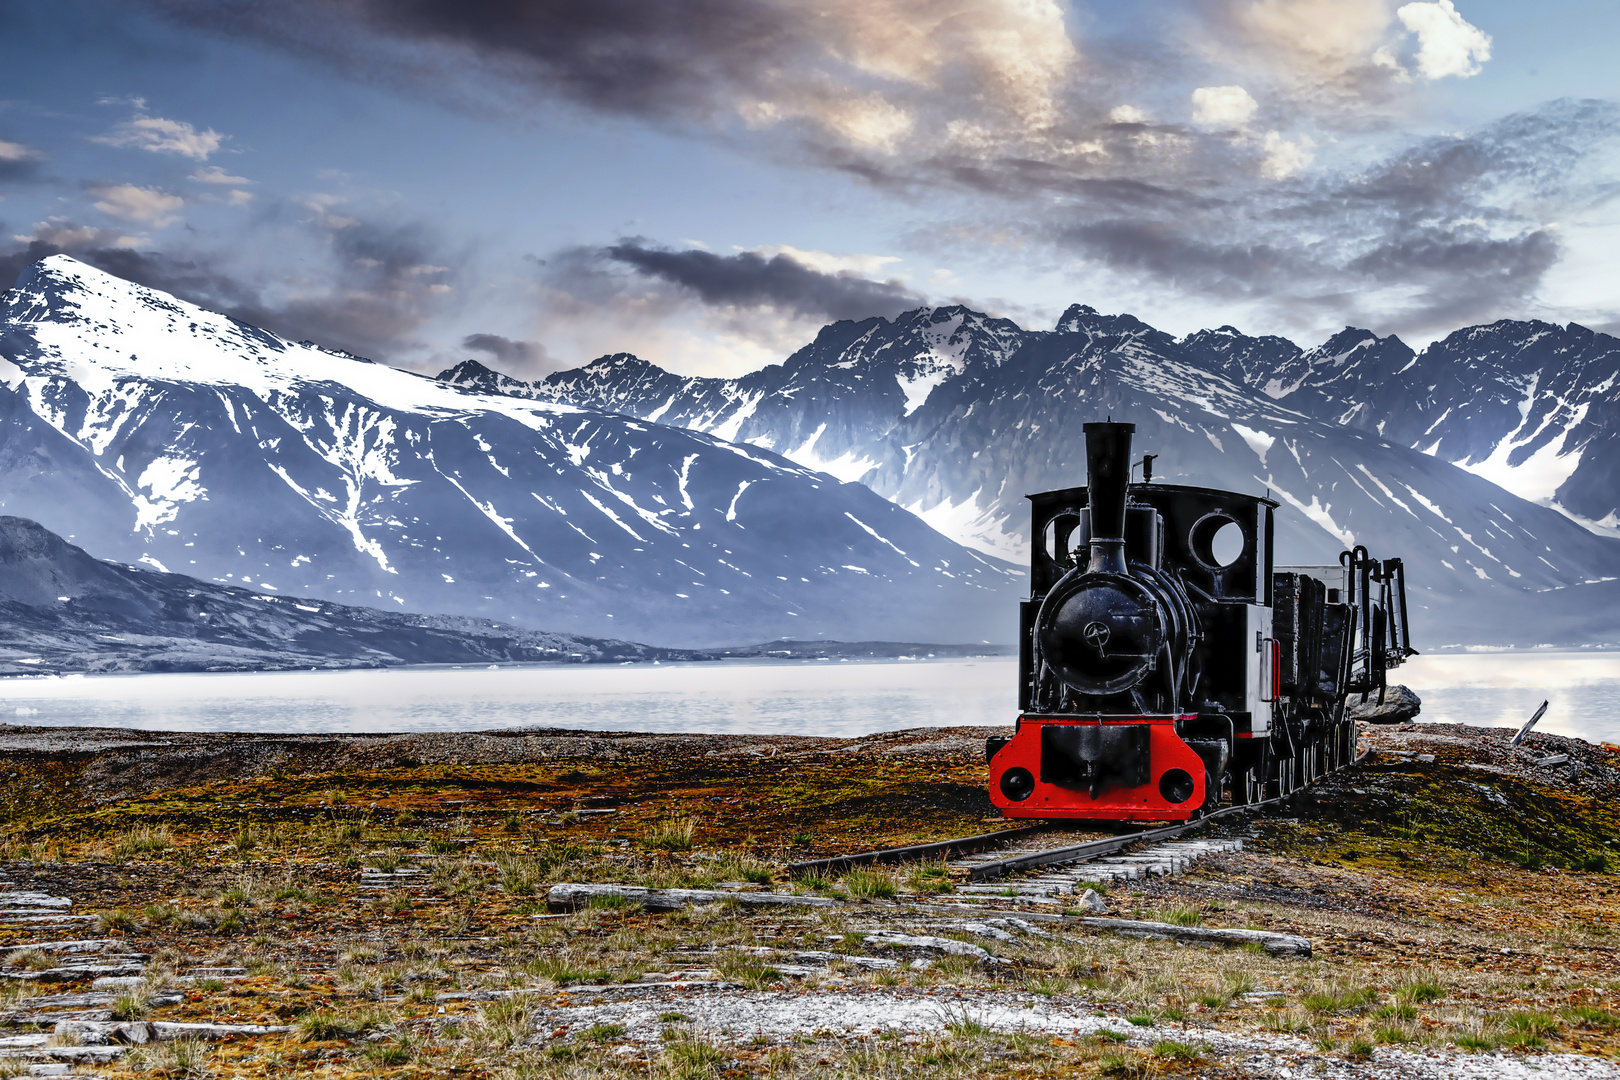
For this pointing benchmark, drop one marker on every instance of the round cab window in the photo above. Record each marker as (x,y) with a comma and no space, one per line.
(1218,541)
(1060,536)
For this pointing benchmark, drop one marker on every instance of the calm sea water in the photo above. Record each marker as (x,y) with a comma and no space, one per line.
(809,698)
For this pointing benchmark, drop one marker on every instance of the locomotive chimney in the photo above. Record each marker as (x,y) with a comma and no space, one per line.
(1108,475)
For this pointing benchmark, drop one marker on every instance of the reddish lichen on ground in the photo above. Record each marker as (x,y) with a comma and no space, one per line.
(384,896)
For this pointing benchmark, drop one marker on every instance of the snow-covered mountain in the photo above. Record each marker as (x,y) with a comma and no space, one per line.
(956,416)
(1531,406)
(150,430)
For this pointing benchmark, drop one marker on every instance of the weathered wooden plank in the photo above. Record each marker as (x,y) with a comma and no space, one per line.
(570,895)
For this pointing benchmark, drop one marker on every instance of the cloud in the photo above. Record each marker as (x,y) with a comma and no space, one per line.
(1223,106)
(18,162)
(158,135)
(862,75)
(1343,63)
(753,280)
(1449,230)
(213,174)
(1243,151)
(824,261)
(1284,157)
(1447,44)
(63,235)
(150,206)
(521,359)
(699,312)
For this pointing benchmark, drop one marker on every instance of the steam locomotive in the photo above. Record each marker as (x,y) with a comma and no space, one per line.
(1166,663)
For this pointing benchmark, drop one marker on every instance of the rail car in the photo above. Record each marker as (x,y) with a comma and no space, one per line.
(1165,663)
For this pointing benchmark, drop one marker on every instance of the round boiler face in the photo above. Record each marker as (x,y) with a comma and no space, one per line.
(1105,634)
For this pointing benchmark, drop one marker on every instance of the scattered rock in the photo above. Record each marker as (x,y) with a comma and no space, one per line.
(1399,706)
(929,943)
(1091,900)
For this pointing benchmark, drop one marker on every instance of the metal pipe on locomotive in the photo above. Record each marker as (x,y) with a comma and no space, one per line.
(1157,676)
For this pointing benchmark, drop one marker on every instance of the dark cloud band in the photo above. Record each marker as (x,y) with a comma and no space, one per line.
(782,282)
(633,56)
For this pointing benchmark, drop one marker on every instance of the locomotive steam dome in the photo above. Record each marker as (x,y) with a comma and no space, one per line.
(1102,634)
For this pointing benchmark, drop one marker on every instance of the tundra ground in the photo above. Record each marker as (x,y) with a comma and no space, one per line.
(380,900)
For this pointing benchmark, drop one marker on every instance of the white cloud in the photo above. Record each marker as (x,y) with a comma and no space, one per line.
(63,233)
(10,151)
(158,135)
(150,205)
(886,76)
(1015,52)
(1285,157)
(1322,37)
(321,206)
(869,122)
(1127,114)
(1447,43)
(1223,106)
(239,198)
(213,174)
(828,263)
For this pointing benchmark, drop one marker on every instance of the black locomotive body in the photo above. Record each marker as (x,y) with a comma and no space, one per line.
(1165,662)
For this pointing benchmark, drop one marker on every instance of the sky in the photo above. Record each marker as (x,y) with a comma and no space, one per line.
(706,183)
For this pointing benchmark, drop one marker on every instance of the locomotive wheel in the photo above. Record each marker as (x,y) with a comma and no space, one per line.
(1254,785)
(1283,778)
(1247,787)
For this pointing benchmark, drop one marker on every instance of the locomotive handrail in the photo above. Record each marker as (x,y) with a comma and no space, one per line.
(1274,662)
(1395,571)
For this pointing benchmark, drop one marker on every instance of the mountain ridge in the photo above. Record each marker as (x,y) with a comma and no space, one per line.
(63,610)
(156,432)
(1313,427)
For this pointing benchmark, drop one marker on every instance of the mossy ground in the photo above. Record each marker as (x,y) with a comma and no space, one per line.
(1444,916)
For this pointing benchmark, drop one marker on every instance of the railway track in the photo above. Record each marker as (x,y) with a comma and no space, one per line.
(980,864)
(1026,863)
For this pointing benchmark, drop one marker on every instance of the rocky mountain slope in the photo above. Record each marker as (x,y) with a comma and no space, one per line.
(152,431)
(1531,406)
(956,416)
(62,609)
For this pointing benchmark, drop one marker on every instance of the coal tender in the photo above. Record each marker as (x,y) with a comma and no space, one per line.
(1165,664)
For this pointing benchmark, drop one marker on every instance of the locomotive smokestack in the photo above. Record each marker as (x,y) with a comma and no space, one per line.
(1108,476)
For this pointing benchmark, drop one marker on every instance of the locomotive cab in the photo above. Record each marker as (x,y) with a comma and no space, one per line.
(1164,660)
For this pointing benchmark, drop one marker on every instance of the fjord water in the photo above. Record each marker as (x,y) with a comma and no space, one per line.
(827,698)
